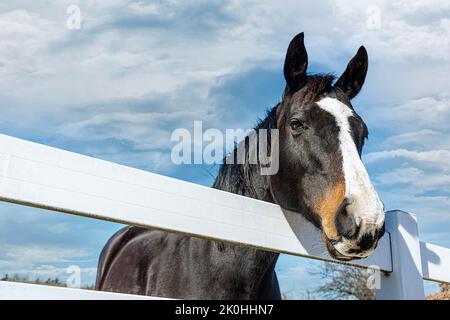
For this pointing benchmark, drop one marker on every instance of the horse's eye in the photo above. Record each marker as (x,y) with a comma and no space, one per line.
(296,125)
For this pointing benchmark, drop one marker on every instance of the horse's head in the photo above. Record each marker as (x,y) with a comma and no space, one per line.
(321,173)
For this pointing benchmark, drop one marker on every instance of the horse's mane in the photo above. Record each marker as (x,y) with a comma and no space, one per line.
(235,177)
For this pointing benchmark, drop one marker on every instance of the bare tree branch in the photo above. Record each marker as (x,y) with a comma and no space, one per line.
(342,282)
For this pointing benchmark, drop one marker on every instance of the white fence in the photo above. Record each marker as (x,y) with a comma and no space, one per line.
(40,176)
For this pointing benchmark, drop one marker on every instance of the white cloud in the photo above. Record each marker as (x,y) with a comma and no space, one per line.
(50,271)
(23,37)
(398,36)
(426,113)
(141,8)
(418,181)
(424,138)
(434,158)
(57,228)
(110,58)
(421,6)
(26,255)
(401,175)
(36,261)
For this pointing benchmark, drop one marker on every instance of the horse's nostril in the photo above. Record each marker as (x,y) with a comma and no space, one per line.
(366,242)
(345,222)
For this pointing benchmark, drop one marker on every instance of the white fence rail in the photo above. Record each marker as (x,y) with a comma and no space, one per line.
(40,176)
(25,291)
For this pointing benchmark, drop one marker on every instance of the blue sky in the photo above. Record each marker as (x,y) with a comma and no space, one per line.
(116,88)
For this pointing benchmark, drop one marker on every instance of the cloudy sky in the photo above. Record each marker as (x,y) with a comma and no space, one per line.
(136,70)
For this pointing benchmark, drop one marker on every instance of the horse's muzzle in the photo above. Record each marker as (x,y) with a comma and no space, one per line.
(348,249)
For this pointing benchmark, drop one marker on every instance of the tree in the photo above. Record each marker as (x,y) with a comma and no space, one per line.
(443,294)
(345,282)
(342,283)
(56,282)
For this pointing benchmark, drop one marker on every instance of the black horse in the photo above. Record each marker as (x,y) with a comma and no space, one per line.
(320,175)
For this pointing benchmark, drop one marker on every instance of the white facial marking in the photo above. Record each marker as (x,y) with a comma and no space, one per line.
(365,204)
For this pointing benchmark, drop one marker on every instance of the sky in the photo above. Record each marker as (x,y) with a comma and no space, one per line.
(134,71)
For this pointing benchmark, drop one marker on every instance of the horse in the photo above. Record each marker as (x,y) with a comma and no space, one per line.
(320,176)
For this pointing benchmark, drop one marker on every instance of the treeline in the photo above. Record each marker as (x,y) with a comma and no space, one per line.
(56,282)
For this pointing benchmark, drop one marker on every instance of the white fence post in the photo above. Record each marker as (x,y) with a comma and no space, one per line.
(405,282)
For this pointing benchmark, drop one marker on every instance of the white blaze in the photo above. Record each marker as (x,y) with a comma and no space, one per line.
(365,204)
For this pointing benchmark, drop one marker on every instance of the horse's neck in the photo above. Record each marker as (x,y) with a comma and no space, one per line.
(253,265)
(246,179)
(243,179)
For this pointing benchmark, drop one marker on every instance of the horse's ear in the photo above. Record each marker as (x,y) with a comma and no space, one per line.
(353,77)
(296,63)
